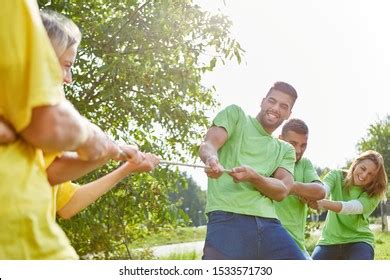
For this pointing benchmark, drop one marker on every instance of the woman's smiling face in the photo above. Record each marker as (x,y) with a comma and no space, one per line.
(364,173)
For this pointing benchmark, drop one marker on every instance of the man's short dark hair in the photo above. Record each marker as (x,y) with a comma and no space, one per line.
(285,88)
(296,125)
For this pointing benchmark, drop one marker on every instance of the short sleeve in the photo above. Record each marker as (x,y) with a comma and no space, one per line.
(331,179)
(229,118)
(65,193)
(49,158)
(288,160)
(310,174)
(30,74)
(369,203)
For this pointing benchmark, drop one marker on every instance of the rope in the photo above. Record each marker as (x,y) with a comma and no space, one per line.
(122,153)
(190,165)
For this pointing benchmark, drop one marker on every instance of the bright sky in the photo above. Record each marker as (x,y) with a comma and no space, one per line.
(335,53)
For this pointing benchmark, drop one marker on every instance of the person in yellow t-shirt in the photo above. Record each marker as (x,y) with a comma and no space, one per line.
(69,198)
(32,102)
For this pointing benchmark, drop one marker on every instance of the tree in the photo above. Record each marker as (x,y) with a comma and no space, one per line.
(322,171)
(138,76)
(378,139)
(191,200)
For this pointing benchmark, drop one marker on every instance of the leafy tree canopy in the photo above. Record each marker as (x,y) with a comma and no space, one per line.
(138,76)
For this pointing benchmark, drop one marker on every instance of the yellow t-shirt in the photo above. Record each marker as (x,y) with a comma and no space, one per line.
(29,77)
(61,193)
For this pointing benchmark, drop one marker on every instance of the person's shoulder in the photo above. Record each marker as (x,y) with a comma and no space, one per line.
(285,145)
(305,161)
(235,110)
(234,107)
(340,171)
(337,173)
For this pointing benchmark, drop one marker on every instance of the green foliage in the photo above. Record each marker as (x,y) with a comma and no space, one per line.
(140,66)
(382,246)
(191,200)
(322,171)
(138,76)
(183,256)
(171,236)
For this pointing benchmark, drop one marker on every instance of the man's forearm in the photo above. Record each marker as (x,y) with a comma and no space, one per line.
(334,206)
(56,128)
(206,151)
(270,187)
(309,191)
(70,167)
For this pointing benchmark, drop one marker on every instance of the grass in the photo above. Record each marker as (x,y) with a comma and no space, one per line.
(172,236)
(382,245)
(182,256)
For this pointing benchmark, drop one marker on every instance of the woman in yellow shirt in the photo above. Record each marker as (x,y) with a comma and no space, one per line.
(70,199)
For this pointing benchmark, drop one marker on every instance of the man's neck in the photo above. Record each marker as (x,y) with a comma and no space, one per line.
(267,129)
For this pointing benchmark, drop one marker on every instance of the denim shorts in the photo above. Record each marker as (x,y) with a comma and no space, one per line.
(348,251)
(232,236)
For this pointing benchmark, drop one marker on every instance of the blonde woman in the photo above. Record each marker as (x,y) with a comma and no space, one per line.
(354,195)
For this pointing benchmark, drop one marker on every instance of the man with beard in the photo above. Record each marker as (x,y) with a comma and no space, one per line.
(242,220)
(292,211)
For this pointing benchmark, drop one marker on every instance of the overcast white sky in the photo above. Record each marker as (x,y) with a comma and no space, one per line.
(334,52)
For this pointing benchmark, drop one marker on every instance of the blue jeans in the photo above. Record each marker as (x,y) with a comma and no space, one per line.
(233,236)
(348,251)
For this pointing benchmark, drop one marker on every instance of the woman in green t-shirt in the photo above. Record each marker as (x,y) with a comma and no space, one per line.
(354,195)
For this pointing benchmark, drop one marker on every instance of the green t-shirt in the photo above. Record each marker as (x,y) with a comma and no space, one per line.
(339,228)
(248,144)
(291,211)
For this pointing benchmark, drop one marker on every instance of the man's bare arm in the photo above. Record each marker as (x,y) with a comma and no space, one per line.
(56,128)
(62,128)
(309,191)
(275,188)
(208,151)
(70,167)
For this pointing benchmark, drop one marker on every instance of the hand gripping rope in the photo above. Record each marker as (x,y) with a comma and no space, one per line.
(190,165)
(184,164)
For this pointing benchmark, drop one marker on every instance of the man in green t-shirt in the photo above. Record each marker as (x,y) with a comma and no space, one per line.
(292,211)
(242,220)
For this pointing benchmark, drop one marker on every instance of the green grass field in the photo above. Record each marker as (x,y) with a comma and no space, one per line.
(183,256)
(172,236)
(382,246)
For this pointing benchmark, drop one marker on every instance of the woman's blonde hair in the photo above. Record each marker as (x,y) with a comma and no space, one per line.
(378,186)
(62,31)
